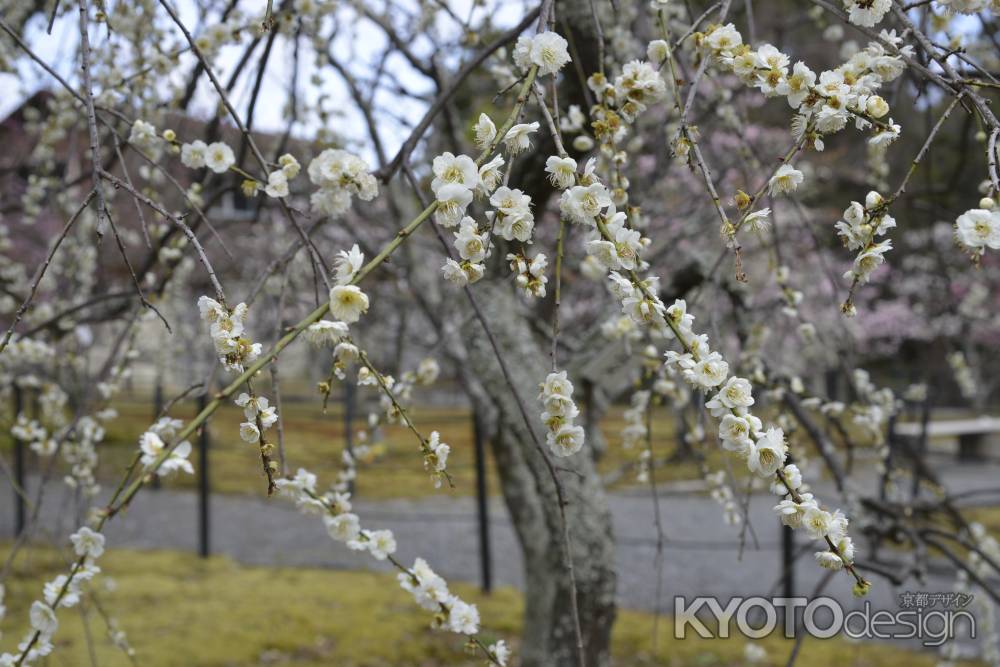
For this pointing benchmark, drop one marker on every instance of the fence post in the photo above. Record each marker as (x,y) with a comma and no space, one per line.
(787,561)
(482,504)
(203,483)
(350,400)
(19,510)
(157,408)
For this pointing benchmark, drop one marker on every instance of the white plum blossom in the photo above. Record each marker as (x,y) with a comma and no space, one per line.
(518,138)
(277,184)
(733,398)
(452,199)
(561,170)
(490,174)
(219,157)
(343,527)
(485,131)
(549,52)
(249,432)
(463,617)
(457,169)
(87,542)
(767,455)
(227,329)
(177,459)
(471,245)
(978,229)
(380,543)
(348,263)
(194,154)
(348,303)
(142,134)
(326,333)
(786,179)
(43,619)
(582,204)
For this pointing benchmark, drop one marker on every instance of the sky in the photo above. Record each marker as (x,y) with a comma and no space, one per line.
(361,46)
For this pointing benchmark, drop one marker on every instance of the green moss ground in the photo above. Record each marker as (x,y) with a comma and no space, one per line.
(182,611)
(315,440)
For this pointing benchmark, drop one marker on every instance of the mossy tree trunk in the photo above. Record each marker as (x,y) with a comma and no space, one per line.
(531,497)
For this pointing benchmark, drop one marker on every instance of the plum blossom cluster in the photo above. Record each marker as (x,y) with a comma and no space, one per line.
(584,202)
(639,301)
(32,432)
(79,450)
(638,86)
(156,455)
(335,509)
(473,248)
(962,372)
(529,274)
(394,394)
(347,302)
(511,218)
(217,156)
(635,431)
(228,331)
(436,457)
(867,13)
(235,352)
(333,334)
(277,180)
(260,416)
(143,134)
(763,450)
(860,230)
(430,592)
(987,550)
(824,103)
(456,178)
(722,493)
(398,393)
(634,417)
(339,175)
(873,407)
(64,591)
(967,6)
(429,589)
(214,37)
(564,438)
(621,248)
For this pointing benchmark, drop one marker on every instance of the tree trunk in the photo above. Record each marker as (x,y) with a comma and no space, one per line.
(530,494)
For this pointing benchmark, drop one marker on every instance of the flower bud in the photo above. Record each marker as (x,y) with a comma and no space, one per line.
(657,50)
(583,143)
(873,200)
(987,203)
(741,199)
(876,106)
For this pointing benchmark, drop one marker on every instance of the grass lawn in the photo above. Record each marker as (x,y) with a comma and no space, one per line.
(178,610)
(314,440)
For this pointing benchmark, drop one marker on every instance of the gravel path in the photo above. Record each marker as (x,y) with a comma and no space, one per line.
(701,556)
